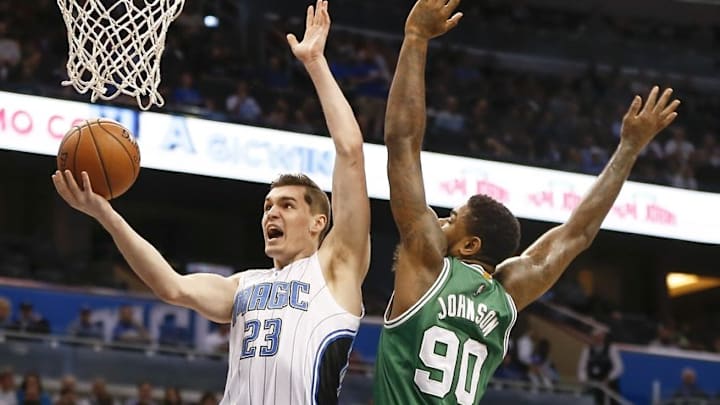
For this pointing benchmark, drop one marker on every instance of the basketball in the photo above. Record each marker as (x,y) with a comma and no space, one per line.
(104,149)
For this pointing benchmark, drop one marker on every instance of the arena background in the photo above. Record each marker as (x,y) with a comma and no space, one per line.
(536,84)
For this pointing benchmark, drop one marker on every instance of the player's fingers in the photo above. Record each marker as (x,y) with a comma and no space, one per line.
(72,186)
(325,17)
(87,187)
(292,41)
(634,107)
(451,6)
(59,183)
(662,102)
(454,20)
(671,108)
(669,119)
(309,17)
(318,12)
(652,98)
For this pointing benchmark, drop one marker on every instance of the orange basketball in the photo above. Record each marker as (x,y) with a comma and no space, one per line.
(104,149)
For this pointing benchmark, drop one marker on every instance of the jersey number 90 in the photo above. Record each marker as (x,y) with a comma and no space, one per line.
(446,365)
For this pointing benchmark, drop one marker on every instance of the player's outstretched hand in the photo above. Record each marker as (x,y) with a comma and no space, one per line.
(640,125)
(317,26)
(432,18)
(84,200)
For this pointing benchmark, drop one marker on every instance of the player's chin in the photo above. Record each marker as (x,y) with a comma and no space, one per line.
(272,249)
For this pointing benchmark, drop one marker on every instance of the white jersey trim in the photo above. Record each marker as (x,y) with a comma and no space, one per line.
(513,312)
(480,269)
(400,319)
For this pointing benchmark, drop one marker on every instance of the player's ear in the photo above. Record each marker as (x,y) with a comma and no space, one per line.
(471,246)
(318,223)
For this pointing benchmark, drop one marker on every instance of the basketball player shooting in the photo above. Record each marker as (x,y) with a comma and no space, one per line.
(293,324)
(457,288)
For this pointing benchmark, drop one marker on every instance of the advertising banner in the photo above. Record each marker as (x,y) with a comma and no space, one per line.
(197,146)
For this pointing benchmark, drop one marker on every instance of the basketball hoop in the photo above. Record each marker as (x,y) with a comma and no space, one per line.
(115,46)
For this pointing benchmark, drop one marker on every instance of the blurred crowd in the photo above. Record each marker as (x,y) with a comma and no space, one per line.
(30,390)
(478,106)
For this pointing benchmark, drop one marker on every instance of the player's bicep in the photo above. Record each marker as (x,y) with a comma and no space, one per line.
(530,275)
(350,206)
(211,295)
(420,233)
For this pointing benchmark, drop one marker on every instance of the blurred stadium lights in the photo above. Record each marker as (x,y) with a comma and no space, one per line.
(684,283)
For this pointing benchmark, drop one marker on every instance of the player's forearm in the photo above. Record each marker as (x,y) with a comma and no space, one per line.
(143,258)
(339,116)
(596,204)
(405,115)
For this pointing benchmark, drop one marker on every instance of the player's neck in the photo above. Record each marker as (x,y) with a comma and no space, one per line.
(486,266)
(280,263)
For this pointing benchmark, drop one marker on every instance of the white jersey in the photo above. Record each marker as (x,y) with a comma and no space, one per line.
(290,340)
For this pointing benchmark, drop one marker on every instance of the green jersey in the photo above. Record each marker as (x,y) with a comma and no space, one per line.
(445,348)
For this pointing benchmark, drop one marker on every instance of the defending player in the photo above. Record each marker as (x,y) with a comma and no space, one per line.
(292,325)
(457,289)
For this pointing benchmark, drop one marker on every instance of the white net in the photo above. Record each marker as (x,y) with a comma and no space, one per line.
(115,46)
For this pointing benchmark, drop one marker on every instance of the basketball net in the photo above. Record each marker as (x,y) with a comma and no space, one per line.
(115,46)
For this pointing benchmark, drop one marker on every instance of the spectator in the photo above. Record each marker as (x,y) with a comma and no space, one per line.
(678,146)
(173,335)
(684,177)
(217,341)
(5,313)
(30,321)
(68,392)
(186,93)
(84,327)
(525,349)
(509,370)
(144,395)
(172,396)
(10,53)
(208,398)
(127,329)
(99,394)
(542,371)
(600,362)
(242,106)
(448,119)
(665,337)
(688,389)
(67,396)
(8,396)
(31,391)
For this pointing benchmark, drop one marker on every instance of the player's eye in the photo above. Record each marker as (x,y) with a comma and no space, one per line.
(267,208)
(288,205)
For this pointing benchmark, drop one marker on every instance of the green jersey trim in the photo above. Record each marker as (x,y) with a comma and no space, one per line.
(513,311)
(400,319)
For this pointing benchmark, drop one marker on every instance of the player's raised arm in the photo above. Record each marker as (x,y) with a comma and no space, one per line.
(420,234)
(348,239)
(531,274)
(210,294)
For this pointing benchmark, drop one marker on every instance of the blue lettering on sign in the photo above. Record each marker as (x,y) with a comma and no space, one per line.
(263,154)
(177,137)
(277,295)
(130,119)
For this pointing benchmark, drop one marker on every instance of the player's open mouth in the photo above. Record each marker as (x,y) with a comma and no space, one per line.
(274,232)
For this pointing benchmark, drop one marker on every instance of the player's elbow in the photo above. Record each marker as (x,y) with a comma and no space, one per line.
(398,141)
(172,294)
(351,149)
(578,238)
